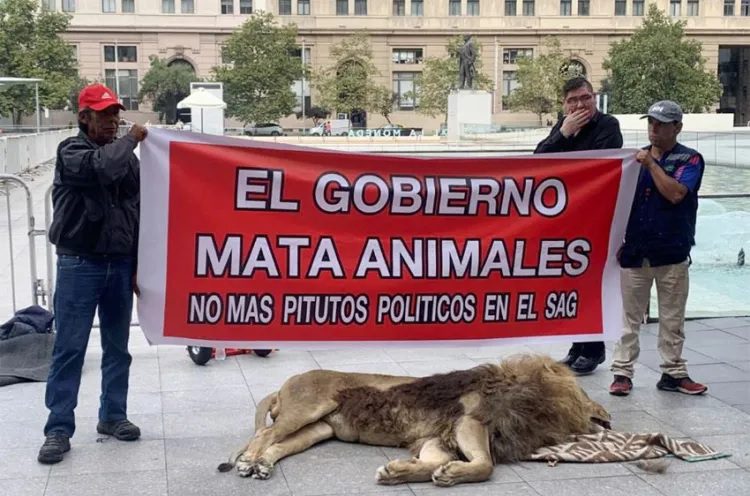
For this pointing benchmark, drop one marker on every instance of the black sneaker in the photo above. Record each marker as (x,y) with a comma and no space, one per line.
(684,385)
(586,365)
(53,449)
(573,353)
(124,429)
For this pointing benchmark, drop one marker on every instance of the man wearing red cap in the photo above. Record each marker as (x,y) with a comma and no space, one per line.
(96,197)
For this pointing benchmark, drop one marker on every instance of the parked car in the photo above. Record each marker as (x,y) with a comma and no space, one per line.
(265,129)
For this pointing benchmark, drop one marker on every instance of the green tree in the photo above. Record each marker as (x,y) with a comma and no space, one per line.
(315,113)
(349,84)
(658,63)
(540,80)
(383,101)
(440,75)
(31,47)
(260,70)
(166,85)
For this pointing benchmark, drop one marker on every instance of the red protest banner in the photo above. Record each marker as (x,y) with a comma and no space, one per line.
(287,244)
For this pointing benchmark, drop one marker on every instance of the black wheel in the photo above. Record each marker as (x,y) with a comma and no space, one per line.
(275,133)
(262,353)
(200,354)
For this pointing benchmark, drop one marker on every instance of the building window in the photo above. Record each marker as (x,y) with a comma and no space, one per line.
(75,51)
(399,7)
(728,7)
(417,8)
(584,7)
(167,6)
(638,7)
(187,6)
(621,7)
(342,7)
(128,6)
(285,7)
(745,8)
(472,7)
(693,6)
(49,5)
(69,6)
(566,7)
(303,7)
(528,7)
(227,6)
(246,6)
(360,7)
(300,86)
(510,83)
(675,8)
(407,55)
(125,53)
(404,89)
(109,6)
(454,7)
(125,85)
(510,7)
(511,55)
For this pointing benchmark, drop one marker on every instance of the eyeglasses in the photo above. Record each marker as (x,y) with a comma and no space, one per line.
(573,100)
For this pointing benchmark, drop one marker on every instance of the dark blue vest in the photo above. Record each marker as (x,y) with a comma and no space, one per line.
(659,230)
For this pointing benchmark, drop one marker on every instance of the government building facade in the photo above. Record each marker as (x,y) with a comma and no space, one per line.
(114,39)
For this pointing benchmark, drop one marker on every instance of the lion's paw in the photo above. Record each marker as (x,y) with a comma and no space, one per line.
(384,476)
(443,476)
(262,470)
(244,468)
(258,469)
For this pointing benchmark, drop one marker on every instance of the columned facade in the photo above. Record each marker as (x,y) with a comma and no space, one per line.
(114,38)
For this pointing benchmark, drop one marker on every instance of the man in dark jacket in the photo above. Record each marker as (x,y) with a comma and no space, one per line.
(658,239)
(94,228)
(582,127)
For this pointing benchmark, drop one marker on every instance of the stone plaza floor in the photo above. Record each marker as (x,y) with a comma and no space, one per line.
(193,417)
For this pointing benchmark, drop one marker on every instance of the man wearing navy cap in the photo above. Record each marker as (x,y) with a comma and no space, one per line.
(658,239)
(96,197)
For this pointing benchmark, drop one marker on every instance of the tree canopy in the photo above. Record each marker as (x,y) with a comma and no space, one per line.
(166,85)
(260,70)
(540,80)
(658,63)
(31,47)
(440,75)
(349,84)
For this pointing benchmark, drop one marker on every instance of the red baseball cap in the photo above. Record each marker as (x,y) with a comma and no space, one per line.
(97,97)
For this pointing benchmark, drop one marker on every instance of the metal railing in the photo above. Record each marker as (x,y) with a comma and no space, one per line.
(39,287)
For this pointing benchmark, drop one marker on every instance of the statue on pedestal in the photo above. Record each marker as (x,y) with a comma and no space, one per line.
(467,54)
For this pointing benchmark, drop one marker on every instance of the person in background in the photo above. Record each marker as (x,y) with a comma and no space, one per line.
(96,197)
(582,127)
(658,239)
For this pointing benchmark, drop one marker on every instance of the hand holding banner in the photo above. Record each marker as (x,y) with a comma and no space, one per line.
(262,245)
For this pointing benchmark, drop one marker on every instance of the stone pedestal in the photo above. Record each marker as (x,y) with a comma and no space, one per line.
(468,107)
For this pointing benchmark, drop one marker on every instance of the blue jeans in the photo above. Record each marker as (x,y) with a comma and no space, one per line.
(83,286)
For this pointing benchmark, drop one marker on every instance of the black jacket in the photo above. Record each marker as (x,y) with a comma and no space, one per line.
(600,133)
(96,198)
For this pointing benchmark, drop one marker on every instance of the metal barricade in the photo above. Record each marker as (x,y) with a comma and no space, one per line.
(39,286)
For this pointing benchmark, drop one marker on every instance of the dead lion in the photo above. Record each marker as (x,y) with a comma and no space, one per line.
(458,425)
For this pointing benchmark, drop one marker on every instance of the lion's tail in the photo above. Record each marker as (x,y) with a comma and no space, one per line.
(266,405)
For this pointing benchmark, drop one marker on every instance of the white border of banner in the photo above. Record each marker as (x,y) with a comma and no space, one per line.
(152,248)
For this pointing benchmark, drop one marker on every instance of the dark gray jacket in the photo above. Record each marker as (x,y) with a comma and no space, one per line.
(96,198)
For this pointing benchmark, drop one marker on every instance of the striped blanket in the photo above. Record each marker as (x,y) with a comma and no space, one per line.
(611,446)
